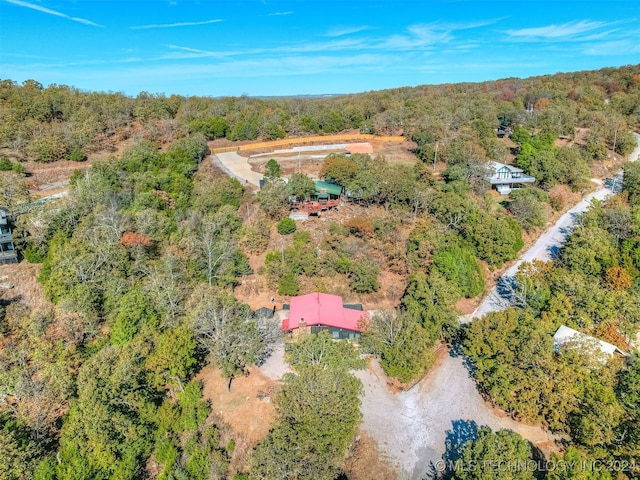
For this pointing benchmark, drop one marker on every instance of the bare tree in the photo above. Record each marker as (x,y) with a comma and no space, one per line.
(225,330)
(165,283)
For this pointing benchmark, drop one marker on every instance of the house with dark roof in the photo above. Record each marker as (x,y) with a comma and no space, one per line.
(507,177)
(320,311)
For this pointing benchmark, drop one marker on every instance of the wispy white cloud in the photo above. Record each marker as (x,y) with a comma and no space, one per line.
(340,31)
(173,25)
(418,36)
(48,11)
(470,25)
(180,52)
(279,14)
(566,31)
(621,47)
(185,52)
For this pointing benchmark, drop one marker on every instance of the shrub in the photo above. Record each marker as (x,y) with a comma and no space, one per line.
(288,284)
(32,255)
(77,155)
(363,276)
(18,168)
(272,169)
(286,226)
(361,227)
(5,164)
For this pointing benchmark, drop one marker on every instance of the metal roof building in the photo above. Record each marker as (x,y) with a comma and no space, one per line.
(565,335)
(321,310)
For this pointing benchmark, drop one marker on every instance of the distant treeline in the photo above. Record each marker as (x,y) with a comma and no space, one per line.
(49,124)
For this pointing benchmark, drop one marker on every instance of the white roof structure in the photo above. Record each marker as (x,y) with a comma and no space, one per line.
(565,335)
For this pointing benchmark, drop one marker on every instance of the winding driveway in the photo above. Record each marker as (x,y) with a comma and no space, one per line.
(545,247)
(412,428)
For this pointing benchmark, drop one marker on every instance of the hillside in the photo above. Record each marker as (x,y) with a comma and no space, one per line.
(129,342)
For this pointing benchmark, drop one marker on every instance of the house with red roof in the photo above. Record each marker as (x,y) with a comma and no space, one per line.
(321,311)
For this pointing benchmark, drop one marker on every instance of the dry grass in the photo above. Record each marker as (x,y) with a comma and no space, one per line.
(26,289)
(245,408)
(365,461)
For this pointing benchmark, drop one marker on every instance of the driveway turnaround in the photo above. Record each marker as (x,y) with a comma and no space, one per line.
(237,167)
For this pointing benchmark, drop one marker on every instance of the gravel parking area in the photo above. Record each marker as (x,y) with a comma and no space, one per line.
(412,428)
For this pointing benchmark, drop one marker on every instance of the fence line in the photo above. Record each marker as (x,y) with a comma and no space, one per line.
(320,138)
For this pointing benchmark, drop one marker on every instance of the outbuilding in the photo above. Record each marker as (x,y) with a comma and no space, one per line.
(568,337)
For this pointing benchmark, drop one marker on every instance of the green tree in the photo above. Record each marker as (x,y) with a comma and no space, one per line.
(339,168)
(173,357)
(590,251)
(528,208)
(321,351)
(460,266)
(212,128)
(577,465)
(497,240)
(363,276)
(628,394)
(318,415)
(272,169)
(132,312)
(495,456)
(286,226)
(301,185)
(108,432)
(430,299)
(18,451)
(632,182)
(288,284)
(274,197)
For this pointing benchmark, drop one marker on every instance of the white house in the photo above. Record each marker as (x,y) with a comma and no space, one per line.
(507,177)
(568,337)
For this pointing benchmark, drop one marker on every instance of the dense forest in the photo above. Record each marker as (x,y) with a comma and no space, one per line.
(142,263)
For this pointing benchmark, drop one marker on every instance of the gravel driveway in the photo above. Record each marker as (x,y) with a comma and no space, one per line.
(413,428)
(546,246)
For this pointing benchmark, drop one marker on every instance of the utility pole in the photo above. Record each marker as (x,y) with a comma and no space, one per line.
(435,157)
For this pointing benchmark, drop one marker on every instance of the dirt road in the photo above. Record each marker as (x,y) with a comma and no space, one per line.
(546,247)
(413,428)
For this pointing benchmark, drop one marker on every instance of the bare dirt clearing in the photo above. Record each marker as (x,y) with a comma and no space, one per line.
(247,408)
(248,164)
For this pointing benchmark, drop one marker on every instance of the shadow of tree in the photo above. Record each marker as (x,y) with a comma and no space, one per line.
(462,432)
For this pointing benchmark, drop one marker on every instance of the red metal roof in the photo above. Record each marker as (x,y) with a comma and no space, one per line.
(321,309)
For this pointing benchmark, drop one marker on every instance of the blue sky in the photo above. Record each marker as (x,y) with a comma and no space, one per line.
(273,47)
